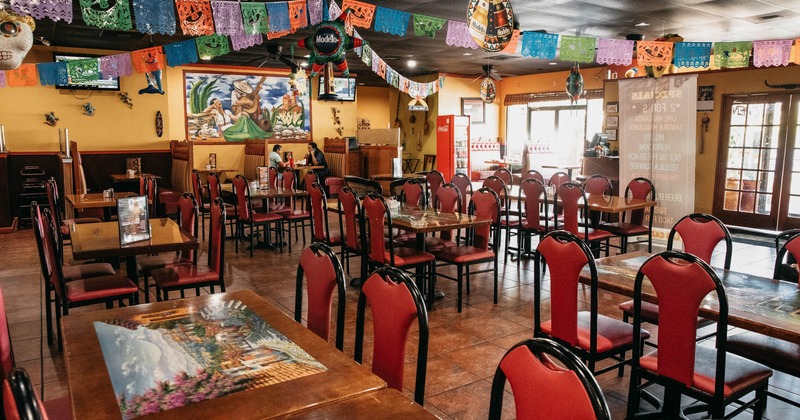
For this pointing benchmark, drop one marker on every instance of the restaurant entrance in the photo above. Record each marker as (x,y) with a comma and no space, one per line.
(758,166)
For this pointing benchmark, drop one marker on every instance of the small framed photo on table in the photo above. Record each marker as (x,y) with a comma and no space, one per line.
(612,107)
(612,121)
(612,134)
(212,160)
(134,220)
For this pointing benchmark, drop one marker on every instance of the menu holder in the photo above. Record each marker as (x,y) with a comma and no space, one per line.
(134,220)
(134,164)
(263,177)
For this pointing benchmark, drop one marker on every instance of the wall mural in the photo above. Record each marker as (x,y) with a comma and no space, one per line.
(236,107)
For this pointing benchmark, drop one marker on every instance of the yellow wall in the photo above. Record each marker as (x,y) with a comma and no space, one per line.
(373,103)
(458,87)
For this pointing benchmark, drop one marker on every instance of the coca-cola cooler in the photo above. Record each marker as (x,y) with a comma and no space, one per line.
(452,145)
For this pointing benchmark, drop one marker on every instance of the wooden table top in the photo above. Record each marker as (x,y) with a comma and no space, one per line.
(125,177)
(426,221)
(92,394)
(601,202)
(95,200)
(100,240)
(766,306)
(390,177)
(386,403)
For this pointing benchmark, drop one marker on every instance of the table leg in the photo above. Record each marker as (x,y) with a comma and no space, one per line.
(435,294)
(132,271)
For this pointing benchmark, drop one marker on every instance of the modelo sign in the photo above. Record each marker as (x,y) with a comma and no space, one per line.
(327,41)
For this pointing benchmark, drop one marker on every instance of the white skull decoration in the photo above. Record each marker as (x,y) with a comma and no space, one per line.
(16,38)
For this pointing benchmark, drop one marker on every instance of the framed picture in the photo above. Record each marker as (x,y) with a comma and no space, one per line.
(263,177)
(612,121)
(134,221)
(612,107)
(612,134)
(212,160)
(474,108)
(705,98)
(135,164)
(234,107)
(287,156)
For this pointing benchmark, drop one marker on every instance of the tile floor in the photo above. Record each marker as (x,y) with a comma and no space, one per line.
(464,348)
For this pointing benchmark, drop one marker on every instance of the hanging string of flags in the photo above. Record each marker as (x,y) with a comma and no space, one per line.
(222,26)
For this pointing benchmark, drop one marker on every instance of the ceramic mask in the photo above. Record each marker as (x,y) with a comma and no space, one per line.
(16,39)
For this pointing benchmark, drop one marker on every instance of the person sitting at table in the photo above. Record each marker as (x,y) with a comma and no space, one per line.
(275,158)
(315,157)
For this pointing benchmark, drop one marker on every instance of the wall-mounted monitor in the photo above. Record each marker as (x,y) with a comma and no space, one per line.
(344,88)
(104,83)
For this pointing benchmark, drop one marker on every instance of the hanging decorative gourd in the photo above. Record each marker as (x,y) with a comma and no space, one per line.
(488,90)
(329,44)
(574,84)
(16,38)
(491,23)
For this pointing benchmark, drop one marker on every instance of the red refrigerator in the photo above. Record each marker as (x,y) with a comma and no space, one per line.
(452,145)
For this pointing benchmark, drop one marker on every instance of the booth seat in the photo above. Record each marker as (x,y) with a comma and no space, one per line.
(336,155)
(479,153)
(180,179)
(254,156)
(537,155)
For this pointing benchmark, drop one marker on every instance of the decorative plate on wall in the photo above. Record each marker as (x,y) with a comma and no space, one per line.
(159,124)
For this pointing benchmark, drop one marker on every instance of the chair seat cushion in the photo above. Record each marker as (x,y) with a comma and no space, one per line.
(773,352)
(650,313)
(84,271)
(612,334)
(513,221)
(266,217)
(58,408)
(296,215)
(541,229)
(625,229)
(184,275)
(740,373)
(99,288)
(404,256)
(463,254)
(435,242)
(150,263)
(596,234)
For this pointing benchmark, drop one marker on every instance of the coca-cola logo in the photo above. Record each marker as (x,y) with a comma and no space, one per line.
(441,128)
(327,40)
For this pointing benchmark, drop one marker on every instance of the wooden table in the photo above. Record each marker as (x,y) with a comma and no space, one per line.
(386,403)
(92,394)
(126,178)
(94,201)
(766,306)
(568,166)
(101,240)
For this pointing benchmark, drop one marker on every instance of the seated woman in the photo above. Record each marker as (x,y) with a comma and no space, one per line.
(315,157)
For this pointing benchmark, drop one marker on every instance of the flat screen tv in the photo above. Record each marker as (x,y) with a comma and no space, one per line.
(344,87)
(104,83)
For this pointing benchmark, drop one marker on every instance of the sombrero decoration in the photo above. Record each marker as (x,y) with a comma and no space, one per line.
(329,44)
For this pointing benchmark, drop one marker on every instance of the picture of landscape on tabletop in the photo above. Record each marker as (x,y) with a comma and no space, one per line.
(236,107)
(169,359)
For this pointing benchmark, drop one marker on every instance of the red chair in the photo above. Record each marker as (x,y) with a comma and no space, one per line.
(148,186)
(376,212)
(395,302)
(485,204)
(434,180)
(320,231)
(532,173)
(591,336)
(533,206)
(572,195)
(309,179)
(681,281)
(507,222)
(542,388)
(505,175)
(64,225)
(638,188)
(597,184)
(20,401)
(79,292)
(251,219)
(214,192)
(191,275)
(293,216)
(558,178)
(701,233)
(323,273)
(411,194)
(464,185)
(202,205)
(447,200)
(352,231)
(187,219)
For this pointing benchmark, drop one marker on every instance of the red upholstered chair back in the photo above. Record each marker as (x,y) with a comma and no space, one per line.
(639,188)
(558,178)
(681,281)
(51,188)
(505,175)
(447,200)
(486,204)
(216,239)
(464,185)
(792,247)
(142,184)
(350,208)
(497,185)
(532,173)
(375,213)
(273,177)
(435,179)
(411,194)
(46,241)
(565,255)
(571,195)
(700,234)
(309,179)
(242,190)
(197,188)
(6,354)
(544,389)
(597,184)
(532,204)
(289,182)
(319,219)
(214,187)
(324,274)
(187,218)
(395,303)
